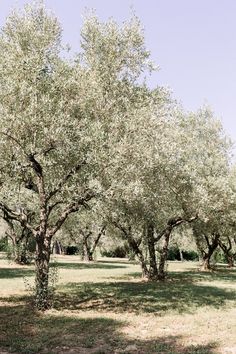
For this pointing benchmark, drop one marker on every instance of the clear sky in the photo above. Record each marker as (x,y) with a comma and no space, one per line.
(193,42)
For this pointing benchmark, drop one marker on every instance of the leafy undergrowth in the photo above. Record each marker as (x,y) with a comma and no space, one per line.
(110,310)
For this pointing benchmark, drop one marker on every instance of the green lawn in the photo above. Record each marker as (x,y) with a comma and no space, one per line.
(104,307)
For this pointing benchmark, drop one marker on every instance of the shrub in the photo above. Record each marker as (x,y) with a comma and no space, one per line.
(119,252)
(72,250)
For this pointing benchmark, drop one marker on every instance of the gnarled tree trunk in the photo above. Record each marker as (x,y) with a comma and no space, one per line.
(227,249)
(42,258)
(206,255)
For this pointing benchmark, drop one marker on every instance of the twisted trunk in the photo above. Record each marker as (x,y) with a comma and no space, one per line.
(206,255)
(227,252)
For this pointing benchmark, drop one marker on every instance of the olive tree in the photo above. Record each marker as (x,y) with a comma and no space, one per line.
(61,121)
(175,175)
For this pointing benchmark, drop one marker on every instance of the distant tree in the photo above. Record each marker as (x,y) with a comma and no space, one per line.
(85,231)
(20,247)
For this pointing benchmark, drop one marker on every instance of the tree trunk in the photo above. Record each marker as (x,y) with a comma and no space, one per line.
(87,254)
(139,254)
(181,255)
(21,253)
(153,272)
(206,266)
(163,255)
(42,258)
(56,248)
(227,252)
(96,241)
(230,261)
(134,246)
(22,248)
(206,244)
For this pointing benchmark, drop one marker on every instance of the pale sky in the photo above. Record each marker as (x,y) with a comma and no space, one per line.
(193,42)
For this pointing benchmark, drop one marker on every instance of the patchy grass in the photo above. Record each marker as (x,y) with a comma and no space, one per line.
(104,307)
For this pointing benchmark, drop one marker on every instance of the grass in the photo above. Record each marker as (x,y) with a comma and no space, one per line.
(104,307)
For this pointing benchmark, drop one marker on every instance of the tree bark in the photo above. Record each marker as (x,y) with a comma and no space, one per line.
(42,258)
(206,266)
(153,271)
(163,255)
(87,254)
(206,257)
(206,246)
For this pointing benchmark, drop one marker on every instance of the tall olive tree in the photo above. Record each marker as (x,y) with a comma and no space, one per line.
(61,122)
(40,123)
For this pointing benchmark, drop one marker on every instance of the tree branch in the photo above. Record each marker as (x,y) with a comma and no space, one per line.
(14,140)
(21,217)
(171,224)
(101,232)
(65,179)
(71,208)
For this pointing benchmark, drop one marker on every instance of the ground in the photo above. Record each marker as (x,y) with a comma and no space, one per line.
(104,307)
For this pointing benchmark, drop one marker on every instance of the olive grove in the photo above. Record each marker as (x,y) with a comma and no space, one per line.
(88,137)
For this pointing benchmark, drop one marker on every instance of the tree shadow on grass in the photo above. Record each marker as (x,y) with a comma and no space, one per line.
(220,274)
(8,273)
(194,275)
(119,261)
(143,297)
(84,265)
(24,331)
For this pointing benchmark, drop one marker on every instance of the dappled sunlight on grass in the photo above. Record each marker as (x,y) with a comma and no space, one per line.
(143,297)
(9,273)
(90,265)
(54,333)
(105,307)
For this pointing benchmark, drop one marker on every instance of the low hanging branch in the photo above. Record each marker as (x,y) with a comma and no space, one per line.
(171,224)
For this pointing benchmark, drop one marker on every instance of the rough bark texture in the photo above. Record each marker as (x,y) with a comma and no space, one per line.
(153,271)
(163,255)
(42,258)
